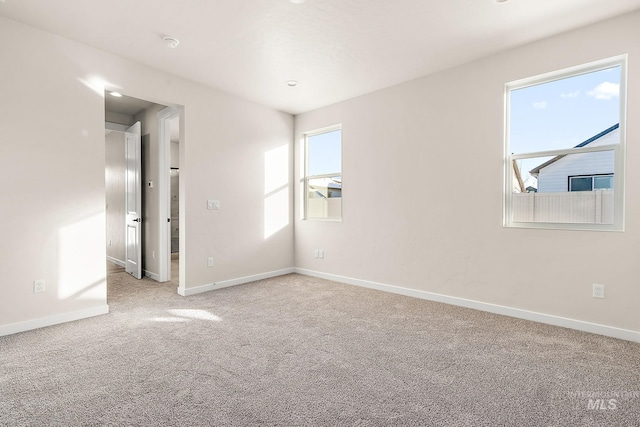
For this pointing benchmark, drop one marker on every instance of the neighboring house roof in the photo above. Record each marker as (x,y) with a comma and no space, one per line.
(535,171)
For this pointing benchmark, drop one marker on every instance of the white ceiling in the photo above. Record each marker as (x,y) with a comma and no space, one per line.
(336,49)
(125,105)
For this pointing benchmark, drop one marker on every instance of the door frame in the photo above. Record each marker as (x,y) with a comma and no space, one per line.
(133,168)
(164,191)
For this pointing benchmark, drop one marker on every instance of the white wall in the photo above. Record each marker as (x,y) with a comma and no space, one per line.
(175,152)
(423,189)
(123,119)
(115,168)
(53,152)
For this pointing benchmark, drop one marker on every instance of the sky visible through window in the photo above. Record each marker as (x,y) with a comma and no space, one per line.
(324,153)
(562,114)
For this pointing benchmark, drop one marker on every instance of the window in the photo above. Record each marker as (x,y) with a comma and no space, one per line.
(323,174)
(564,148)
(590,183)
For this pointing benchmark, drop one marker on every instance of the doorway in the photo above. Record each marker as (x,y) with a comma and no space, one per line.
(156,223)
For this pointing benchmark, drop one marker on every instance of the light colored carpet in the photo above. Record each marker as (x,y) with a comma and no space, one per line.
(296,350)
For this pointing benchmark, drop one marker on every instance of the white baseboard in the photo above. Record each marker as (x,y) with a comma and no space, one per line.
(151,275)
(548,319)
(116,261)
(232,282)
(55,319)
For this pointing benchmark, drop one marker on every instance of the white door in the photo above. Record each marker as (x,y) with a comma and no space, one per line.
(133,201)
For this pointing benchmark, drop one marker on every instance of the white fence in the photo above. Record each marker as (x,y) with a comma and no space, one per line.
(329,208)
(592,207)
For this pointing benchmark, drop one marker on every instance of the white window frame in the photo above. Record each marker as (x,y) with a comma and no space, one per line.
(308,177)
(618,149)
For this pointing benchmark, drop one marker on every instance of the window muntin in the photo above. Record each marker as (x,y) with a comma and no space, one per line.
(323,174)
(561,125)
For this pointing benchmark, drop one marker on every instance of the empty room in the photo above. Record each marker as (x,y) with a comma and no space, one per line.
(320,212)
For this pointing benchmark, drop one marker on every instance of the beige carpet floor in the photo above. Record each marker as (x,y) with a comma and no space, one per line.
(295,350)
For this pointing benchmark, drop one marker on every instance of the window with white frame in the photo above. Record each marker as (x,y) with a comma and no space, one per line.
(323,174)
(564,148)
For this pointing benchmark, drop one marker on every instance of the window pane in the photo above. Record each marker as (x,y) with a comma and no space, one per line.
(600,182)
(324,153)
(562,192)
(324,197)
(565,113)
(557,174)
(325,187)
(580,184)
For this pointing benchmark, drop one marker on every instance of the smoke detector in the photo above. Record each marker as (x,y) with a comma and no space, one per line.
(171,42)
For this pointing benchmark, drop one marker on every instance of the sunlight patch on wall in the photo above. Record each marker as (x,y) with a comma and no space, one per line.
(276,190)
(276,212)
(276,169)
(97,84)
(81,274)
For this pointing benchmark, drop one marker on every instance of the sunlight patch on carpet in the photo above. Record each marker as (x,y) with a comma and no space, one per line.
(195,314)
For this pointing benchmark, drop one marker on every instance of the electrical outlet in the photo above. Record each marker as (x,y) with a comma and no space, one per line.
(213,204)
(38,286)
(598,291)
(321,253)
(210,262)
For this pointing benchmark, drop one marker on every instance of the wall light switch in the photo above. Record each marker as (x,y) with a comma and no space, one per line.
(213,204)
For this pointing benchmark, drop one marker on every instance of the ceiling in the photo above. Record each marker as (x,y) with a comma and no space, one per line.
(335,49)
(125,105)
